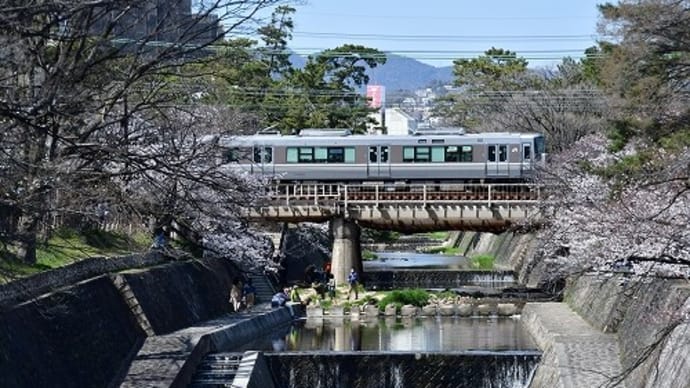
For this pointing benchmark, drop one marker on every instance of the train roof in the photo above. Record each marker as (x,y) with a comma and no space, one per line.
(327,139)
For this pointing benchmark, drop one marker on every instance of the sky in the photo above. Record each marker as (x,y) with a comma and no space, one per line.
(438,31)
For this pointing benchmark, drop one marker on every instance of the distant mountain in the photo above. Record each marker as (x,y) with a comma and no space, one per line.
(400,73)
(407,73)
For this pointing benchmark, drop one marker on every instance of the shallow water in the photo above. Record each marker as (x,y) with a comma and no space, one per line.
(442,334)
(415,260)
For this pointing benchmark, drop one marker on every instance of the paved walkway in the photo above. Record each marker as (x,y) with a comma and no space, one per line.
(575,354)
(171,359)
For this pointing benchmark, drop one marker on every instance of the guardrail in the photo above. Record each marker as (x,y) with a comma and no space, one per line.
(335,195)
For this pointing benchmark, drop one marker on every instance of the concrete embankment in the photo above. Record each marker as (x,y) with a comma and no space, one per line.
(87,334)
(614,329)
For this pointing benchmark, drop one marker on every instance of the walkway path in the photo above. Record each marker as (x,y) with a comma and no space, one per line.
(575,354)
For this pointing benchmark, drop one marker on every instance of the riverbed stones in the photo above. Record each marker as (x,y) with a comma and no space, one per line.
(336,311)
(429,310)
(371,310)
(408,310)
(506,309)
(484,309)
(390,310)
(314,311)
(464,309)
(446,310)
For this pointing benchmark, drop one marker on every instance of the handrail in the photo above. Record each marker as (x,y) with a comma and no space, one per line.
(336,195)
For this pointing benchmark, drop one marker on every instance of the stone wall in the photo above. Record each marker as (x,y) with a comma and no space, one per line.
(44,282)
(86,335)
(642,311)
(177,295)
(82,336)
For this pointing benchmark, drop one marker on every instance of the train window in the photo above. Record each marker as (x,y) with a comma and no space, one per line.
(422,154)
(233,155)
(492,153)
(373,154)
(257,155)
(466,154)
(526,152)
(452,154)
(306,155)
(321,155)
(438,154)
(384,154)
(291,155)
(539,148)
(336,155)
(349,154)
(268,155)
(502,153)
(408,154)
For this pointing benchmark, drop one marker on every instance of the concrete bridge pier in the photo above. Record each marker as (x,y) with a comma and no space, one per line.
(347,252)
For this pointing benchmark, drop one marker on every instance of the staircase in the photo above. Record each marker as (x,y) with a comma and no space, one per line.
(264,288)
(217,370)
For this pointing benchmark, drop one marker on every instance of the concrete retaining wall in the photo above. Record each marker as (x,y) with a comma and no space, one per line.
(642,312)
(31,287)
(86,335)
(177,295)
(83,336)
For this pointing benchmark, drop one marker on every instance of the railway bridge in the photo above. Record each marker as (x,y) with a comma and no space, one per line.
(406,208)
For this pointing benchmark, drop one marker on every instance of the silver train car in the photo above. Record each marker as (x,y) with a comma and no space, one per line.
(338,156)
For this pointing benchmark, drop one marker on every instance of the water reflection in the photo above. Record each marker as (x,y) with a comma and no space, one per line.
(399,334)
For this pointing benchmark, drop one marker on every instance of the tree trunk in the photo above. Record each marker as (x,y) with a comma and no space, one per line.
(26,244)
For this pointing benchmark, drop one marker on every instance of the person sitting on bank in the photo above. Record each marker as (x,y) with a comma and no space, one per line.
(280,298)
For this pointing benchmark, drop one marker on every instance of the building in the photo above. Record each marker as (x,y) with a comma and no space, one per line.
(399,122)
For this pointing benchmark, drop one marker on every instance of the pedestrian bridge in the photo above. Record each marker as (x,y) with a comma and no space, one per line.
(406,208)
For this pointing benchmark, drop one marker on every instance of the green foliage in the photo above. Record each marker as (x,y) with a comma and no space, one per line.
(326,303)
(482,261)
(67,246)
(449,251)
(369,255)
(380,235)
(416,297)
(619,135)
(493,70)
(438,235)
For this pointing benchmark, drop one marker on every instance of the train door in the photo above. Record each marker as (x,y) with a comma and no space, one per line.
(378,165)
(497,160)
(263,160)
(527,157)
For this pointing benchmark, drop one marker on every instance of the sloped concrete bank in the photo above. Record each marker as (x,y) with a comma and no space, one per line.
(87,334)
(650,318)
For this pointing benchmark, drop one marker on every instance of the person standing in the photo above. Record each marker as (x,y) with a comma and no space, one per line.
(353,281)
(249,294)
(236,295)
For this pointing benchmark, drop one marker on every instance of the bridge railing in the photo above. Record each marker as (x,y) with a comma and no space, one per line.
(333,195)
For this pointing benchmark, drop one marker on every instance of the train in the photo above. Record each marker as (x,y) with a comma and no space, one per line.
(440,156)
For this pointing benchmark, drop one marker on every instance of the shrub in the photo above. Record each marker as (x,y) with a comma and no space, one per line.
(482,261)
(415,297)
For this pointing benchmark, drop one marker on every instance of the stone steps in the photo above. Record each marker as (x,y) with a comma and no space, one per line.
(216,370)
(264,288)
